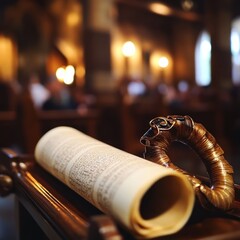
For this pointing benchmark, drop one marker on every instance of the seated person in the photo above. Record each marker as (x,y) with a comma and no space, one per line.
(59,97)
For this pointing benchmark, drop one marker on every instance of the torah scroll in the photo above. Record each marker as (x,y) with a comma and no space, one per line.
(146,198)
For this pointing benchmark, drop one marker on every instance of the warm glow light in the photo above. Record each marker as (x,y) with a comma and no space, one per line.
(70,70)
(187,5)
(80,71)
(60,74)
(66,75)
(163,62)
(128,49)
(69,75)
(68,49)
(73,19)
(160,9)
(7,59)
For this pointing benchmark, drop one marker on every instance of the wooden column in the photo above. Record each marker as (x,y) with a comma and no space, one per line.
(218,23)
(96,37)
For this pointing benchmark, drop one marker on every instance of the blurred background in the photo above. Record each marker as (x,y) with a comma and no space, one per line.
(108,67)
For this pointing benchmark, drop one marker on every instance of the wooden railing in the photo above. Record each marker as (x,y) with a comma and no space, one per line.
(47,209)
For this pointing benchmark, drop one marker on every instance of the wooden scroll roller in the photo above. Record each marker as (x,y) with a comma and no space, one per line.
(164,130)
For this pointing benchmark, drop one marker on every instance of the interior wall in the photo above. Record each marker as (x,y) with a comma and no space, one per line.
(159,35)
(184,38)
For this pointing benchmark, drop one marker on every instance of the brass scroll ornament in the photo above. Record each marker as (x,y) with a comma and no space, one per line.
(6,183)
(164,130)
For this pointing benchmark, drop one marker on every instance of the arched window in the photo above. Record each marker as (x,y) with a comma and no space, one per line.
(235,49)
(203,60)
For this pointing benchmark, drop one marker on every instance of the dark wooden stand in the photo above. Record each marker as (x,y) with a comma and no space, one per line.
(47,209)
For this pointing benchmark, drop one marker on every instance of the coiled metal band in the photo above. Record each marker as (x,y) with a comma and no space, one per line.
(164,130)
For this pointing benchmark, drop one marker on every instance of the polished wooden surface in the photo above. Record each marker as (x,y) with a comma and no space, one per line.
(60,213)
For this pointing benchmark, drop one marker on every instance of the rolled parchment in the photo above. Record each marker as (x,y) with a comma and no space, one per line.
(146,198)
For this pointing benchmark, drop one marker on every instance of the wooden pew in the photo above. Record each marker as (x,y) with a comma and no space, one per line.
(86,121)
(8,128)
(34,122)
(47,209)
